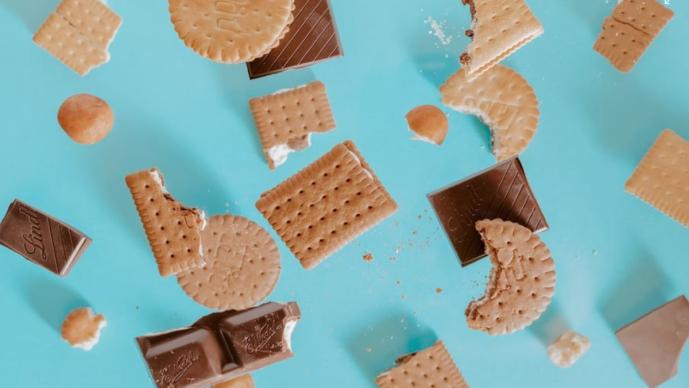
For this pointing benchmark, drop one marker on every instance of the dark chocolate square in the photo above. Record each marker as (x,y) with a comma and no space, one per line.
(312,38)
(42,239)
(501,191)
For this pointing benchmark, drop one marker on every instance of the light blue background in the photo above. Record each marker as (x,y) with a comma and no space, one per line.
(616,256)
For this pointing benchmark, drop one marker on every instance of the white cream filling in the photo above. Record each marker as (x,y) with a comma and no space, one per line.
(356,158)
(287,334)
(90,343)
(279,153)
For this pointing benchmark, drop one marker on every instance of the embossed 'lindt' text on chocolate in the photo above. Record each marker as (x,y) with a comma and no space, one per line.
(42,239)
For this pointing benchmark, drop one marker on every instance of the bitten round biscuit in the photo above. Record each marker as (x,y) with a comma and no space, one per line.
(81,328)
(231,31)
(242,265)
(522,281)
(85,118)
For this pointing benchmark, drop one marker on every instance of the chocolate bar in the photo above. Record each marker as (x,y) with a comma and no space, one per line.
(41,238)
(312,38)
(654,342)
(221,346)
(501,191)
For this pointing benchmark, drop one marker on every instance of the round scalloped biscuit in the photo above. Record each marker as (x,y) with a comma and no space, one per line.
(522,281)
(231,31)
(242,265)
(502,99)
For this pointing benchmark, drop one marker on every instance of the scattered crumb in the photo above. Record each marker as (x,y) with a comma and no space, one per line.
(438,290)
(403,297)
(397,282)
(595,252)
(368,256)
(437,30)
(369,350)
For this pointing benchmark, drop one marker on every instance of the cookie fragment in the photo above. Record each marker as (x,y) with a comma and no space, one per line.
(326,205)
(285,120)
(503,100)
(568,348)
(662,177)
(231,31)
(81,328)
(428,123)
(242,265)
(240,382)
(85,118)
(522,280)
(630,30)
(499,28)
(431,367)
(79,33)
(173,230)
(655,341)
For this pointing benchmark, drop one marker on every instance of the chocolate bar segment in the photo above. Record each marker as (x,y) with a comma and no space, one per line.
(501,191)
(183,357)
(221,346)
(312,38)
(41,238)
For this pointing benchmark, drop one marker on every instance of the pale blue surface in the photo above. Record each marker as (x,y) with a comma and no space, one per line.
(616,256)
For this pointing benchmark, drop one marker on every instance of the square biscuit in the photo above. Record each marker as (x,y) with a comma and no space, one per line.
(622,44)
(431,367)
(662,177)
(648,16)
(326,205)
(629,31)
(78,34)
(286,120)
(63,40)
(92,19)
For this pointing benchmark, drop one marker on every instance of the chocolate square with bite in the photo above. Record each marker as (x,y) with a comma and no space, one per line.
(502,191)
(312,38)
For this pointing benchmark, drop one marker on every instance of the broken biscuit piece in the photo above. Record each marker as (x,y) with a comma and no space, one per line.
(286,119)
(173,230)
(81,328)
(499,28)
(428,123)
(522,280)
(79,33)
(630,30)
(568,348)
(503,100)
(431,367)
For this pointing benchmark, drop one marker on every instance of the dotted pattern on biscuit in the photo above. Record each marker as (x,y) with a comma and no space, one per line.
(630,30)
(429,368)
(231,31)
(242,265)
(78,34)
(522,280)
(173,231)
(503,99)
(500,27)
(662,177)
(289,117)
(326,205)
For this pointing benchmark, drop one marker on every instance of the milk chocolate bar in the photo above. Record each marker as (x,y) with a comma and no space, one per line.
(221,346)
(312,38)
(41,238)
(501,191)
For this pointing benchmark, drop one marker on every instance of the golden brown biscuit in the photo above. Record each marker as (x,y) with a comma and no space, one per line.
(81,328)
(85,118)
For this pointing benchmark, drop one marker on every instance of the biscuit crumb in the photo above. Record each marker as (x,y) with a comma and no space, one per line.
(81,328)
(438,290)
(368,257)
(568,348)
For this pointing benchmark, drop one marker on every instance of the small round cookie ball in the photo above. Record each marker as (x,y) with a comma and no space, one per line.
(85,118)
